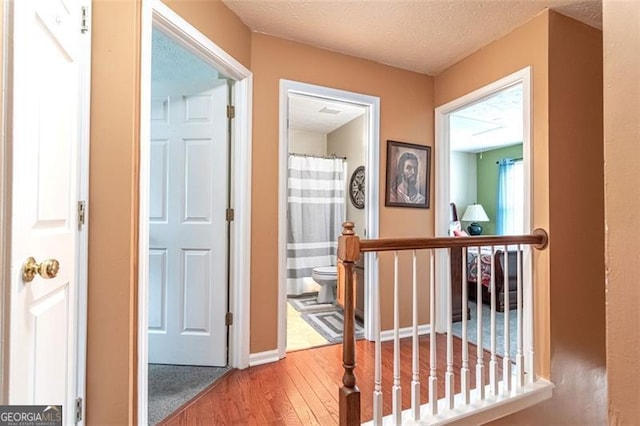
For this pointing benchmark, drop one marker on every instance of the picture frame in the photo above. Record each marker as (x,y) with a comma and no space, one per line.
(408,175)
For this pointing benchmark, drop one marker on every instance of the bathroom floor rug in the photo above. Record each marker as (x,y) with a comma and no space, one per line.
(309,303)
(330,324)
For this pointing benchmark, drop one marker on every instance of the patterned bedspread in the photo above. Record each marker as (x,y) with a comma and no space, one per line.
(485,265)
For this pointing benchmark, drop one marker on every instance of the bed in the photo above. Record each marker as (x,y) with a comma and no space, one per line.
(485,267)
(485,275)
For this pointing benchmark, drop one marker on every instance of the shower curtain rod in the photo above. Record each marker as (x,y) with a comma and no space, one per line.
(332,156)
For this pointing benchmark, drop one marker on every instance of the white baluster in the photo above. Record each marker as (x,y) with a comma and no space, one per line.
(433,376)
(449,375)
(377,386)
(415,382)
(479,350)
(465,384)
(493,364)
(396,390)
(519,354)
(506,361)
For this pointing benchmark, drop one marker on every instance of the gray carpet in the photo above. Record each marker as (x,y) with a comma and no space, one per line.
(472,330)
(170,386)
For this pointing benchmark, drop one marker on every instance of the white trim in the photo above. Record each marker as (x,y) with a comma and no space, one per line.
(156,14)
(265,357)
(404,332)
(372,166)
(479,411)
(442,161)
(82,249)
(5,213)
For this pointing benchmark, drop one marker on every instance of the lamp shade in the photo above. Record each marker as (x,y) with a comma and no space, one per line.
(475,213)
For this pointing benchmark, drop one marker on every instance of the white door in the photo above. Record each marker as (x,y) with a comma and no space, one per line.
(48,56)
(187,226)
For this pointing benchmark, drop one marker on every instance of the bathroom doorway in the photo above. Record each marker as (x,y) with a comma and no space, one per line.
(325,151)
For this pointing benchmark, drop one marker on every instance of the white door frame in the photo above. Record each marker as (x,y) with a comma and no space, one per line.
(372,162)
(156,14)
(5,200)
(442,190)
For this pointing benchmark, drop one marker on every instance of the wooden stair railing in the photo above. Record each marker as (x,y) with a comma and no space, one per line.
(350,247)
(348,253)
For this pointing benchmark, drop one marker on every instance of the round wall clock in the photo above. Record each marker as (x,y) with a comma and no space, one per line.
(356,188)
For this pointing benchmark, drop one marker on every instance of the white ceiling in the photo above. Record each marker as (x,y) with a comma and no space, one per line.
(425,36)
(494,122)
(172,62)
(319,115)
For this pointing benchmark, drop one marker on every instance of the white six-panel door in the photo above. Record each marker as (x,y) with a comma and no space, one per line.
(187,225)
(47,53)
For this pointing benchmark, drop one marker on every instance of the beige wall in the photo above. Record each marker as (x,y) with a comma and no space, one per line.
(113,204)
(305,142)
(348,141)
(622,156)
(567,108)
(525,46)
(406,115)
(113,213)
(577,292)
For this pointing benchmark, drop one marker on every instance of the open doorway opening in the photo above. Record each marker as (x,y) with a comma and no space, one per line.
(326,147)
(328,141)
(188,230)
(195,168)
(484,159)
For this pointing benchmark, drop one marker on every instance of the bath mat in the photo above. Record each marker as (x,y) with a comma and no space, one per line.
(330,324)
(309,303)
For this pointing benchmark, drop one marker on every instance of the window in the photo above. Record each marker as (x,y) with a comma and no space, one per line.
(510,217)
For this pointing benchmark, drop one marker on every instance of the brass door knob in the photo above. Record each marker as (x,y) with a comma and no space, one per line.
(47,269)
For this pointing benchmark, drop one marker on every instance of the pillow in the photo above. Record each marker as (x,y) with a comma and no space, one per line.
(460,233)
(454,226)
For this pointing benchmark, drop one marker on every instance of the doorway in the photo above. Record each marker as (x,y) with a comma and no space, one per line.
(186,103)
(328,140)
(474,134)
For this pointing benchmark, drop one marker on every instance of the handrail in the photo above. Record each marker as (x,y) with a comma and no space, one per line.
(350,246)
(538,239)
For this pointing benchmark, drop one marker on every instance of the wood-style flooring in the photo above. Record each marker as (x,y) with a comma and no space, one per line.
(302,389)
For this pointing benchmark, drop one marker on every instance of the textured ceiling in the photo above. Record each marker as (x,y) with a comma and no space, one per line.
(172,62)
(320,115)
(494,122)
(425,36)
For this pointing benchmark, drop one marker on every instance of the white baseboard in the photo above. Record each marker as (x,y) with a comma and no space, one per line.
(263,358)
(405,332)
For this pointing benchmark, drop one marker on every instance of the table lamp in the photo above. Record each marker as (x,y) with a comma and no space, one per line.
(474,214)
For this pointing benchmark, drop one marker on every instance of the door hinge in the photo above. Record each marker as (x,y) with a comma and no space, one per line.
(231,111)
(78,413)
(228,318)
(81,213)
(230,215)
(84,27)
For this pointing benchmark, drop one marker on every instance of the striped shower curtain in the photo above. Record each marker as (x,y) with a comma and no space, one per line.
(316,210)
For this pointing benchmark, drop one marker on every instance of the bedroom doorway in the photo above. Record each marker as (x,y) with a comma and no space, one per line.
(476,134)
(215,80)
(328,144)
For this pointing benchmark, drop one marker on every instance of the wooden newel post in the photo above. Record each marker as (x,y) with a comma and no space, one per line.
(348,253)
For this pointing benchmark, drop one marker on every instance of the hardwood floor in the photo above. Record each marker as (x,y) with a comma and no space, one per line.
(302,389)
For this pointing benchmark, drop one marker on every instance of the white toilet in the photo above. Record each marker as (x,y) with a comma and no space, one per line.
(327,278)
